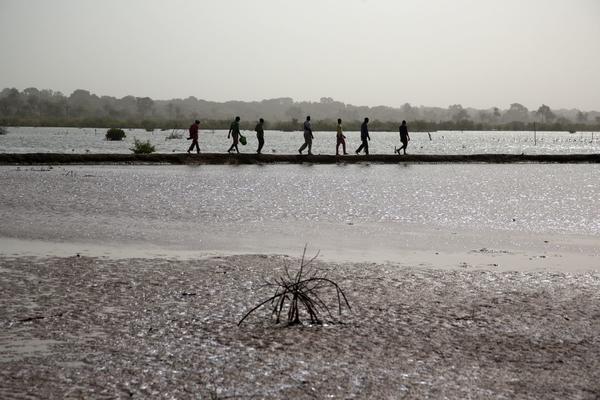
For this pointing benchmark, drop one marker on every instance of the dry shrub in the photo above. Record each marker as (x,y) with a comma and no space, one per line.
(304,290)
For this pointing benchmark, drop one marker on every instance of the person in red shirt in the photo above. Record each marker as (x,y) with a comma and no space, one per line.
(194,137)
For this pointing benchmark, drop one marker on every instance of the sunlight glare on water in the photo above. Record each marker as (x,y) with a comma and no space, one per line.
(169,203)
(90,140)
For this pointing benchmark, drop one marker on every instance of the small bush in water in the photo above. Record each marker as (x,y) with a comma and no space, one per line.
(3,130)
(140,147)
(115,134)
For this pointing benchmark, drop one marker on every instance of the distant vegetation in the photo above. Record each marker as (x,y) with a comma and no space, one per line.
(33,107)
(115,134)
(140,147)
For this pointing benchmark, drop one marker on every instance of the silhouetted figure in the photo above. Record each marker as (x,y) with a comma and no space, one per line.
(234,132)
(340,139)
(364,137)
(404,137)
(194,137)
(308,137)
(260,135)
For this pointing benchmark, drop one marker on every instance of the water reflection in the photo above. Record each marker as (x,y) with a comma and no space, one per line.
(84,140)
(125,202)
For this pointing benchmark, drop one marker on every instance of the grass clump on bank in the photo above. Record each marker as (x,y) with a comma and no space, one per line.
(115,134)
(302,291)
(140,147)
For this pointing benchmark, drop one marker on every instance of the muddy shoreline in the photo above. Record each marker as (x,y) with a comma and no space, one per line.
(246,158)
(80,327)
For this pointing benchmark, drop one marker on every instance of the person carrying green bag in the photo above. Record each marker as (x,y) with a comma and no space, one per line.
(234,132)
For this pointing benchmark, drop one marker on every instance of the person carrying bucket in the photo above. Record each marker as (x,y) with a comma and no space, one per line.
(234,133)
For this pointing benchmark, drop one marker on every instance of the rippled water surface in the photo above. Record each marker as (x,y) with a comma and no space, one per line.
(181,204)
(75,140)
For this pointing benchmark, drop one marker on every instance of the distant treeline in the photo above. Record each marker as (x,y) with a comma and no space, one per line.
(33,107)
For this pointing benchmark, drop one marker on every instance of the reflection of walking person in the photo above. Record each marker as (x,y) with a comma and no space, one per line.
(308,137)
(340,139)
(194,137)
(364,137)
(404,137)
(234,132)
(260,135)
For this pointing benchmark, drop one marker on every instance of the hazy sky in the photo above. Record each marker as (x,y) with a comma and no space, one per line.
(478,53)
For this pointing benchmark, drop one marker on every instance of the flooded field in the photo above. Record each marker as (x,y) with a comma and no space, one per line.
(130,280)
(90,140)
(350,212)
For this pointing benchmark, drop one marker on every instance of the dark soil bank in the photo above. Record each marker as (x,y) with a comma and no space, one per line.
(93,328)
(217,158)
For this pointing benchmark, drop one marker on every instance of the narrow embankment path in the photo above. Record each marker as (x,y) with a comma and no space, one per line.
(219,158)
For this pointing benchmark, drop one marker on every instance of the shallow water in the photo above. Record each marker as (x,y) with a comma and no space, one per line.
(90,140)
(260,208)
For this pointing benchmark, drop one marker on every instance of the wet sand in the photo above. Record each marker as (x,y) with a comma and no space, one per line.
(251,158)
(421,247)
(82,327)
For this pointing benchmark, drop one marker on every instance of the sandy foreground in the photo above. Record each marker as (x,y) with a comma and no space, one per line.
(84,327)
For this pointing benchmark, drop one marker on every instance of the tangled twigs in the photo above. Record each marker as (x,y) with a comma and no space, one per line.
(302,290)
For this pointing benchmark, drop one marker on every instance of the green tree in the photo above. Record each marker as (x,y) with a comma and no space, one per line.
(485,116)
(10,102)
(582,117)
(517,113)
(458,113)
(80,104)
(496,113)
(409,112)
(294,112)
(545,113)
(144,105)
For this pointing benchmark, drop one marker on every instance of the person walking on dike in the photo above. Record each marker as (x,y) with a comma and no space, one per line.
(364,137)
(194,137)
(340,139)
(260,135)
(308,137)
(404,138)
(234,132)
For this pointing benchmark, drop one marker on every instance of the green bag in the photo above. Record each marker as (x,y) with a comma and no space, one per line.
(243,140)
